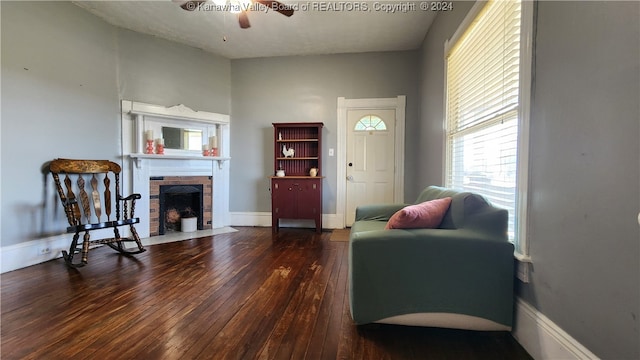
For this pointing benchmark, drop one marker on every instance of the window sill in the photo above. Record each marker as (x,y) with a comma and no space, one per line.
(524,266)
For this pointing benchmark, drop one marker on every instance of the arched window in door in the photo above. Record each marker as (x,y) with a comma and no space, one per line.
(370,123)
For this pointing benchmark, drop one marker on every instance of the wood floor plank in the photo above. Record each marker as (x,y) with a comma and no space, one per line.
(300,332)
(278,344)
(260,304)
(320,330)
(339,300)
(250,294)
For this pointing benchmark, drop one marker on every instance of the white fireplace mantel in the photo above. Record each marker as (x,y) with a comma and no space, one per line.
(140,117)
(149,117)
(179,111)
(138,157)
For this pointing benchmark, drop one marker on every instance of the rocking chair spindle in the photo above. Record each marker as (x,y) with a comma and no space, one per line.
(85,211)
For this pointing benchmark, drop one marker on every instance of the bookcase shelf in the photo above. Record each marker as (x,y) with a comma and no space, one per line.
(297,194)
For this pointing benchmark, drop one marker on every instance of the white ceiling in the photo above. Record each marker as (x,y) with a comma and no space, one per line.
(318,27)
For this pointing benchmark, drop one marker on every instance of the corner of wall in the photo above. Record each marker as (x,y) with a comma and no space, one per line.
(542,338)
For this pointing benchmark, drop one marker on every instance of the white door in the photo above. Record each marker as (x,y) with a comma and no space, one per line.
(371,157)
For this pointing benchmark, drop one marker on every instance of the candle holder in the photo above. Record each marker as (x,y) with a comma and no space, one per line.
(213,152)
(149,149)
(205,152)
(160,147)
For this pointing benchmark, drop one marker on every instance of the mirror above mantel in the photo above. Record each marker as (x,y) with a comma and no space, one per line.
(182,138)
(177,133)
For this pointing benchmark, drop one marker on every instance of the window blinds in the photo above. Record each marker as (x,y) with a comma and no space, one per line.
(482,93)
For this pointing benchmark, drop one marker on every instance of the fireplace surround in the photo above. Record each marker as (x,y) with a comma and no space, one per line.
(175,167)
(174,197)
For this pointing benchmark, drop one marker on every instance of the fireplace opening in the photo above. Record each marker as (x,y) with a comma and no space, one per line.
(177,202)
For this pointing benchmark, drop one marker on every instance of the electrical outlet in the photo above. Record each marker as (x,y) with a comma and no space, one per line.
(44,250)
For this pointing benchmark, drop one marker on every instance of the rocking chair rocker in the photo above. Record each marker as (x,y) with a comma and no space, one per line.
(86,213)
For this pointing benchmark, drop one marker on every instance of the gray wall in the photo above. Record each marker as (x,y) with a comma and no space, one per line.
(584,169)
(306,88)
(64,72)
(585,175)
(59,99)
(158,71)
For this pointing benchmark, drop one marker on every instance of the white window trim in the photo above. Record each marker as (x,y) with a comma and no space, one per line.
(526,84)
(524,113)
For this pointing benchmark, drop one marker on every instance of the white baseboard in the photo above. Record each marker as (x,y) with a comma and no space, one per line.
(329,221)
(30,253)
(250,219)
(37,251)
(542,338)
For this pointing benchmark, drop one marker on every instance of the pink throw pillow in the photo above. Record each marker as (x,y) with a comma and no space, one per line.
(427,215)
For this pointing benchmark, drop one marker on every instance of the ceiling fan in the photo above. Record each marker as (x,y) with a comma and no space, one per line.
(243,6)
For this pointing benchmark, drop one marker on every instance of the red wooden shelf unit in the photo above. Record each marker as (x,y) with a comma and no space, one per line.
(297,195)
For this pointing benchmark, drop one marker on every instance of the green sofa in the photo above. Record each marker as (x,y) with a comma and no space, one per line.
(459,275)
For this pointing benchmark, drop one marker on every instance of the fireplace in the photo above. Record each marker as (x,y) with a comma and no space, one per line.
(174,197)
(177,202)
(149,170)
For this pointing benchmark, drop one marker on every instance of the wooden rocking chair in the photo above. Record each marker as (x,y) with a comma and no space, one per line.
(86,213)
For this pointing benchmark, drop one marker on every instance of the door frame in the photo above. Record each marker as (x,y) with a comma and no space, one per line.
(344,105)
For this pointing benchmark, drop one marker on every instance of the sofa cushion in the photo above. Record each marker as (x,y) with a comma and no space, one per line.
(367,225)
(428,214)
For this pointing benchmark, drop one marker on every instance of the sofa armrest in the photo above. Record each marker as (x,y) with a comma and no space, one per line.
(491,221)
(380,212)
(396,272)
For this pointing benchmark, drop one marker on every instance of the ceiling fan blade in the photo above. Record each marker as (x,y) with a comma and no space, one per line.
(243,19)
(283,9)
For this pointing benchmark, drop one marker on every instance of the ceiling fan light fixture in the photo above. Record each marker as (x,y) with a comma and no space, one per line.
(239,7)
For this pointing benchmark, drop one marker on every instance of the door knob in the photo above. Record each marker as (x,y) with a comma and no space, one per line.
(350,178)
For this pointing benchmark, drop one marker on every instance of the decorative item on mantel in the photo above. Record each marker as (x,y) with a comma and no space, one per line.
(160,146)
(213,145)
(205,150)
(149,136)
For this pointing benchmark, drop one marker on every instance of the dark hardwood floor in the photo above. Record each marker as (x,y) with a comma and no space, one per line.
(242,295)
